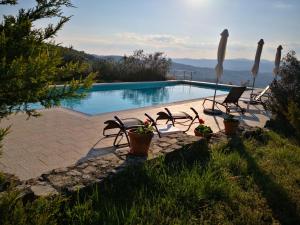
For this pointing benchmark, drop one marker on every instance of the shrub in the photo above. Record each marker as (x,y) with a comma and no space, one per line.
(294,115)
(137,67)
(284,101)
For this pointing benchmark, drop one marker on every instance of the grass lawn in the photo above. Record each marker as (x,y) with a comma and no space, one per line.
(243,181)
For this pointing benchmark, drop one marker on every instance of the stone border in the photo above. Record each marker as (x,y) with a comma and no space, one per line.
(96,170)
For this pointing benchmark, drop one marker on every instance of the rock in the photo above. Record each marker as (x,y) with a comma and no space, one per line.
(110,157)
(86,177)
(60,181)
(176,135)
(73,173)
(163,144)
(175,146)
(89,169)
(82,165)
(43,190)
(156,149)
(164,139)
(61,170)
(172,141)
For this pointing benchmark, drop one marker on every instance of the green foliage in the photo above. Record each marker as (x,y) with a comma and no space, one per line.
(147,128)
(293,115)
(245,181)
(284,101)
(40,212)
(137,67)
(203,129)
(29,66)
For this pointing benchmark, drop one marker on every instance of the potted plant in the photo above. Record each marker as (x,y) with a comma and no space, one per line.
(203,130)
(140,139)
(231,124)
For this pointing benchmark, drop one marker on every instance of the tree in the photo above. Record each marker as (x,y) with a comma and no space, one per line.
(284,101)
(144,67)
(30,63)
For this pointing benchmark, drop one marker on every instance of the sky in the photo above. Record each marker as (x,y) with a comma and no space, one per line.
(179,28)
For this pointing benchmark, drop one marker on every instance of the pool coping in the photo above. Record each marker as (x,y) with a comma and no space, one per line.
(169,81)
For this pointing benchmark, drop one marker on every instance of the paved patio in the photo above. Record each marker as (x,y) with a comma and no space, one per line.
(61,137)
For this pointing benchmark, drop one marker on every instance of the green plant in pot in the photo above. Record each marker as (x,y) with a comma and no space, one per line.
(231,124)
(140,139)
(203,130)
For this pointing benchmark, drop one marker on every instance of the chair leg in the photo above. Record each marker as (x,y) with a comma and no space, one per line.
(126,135)
(227,108)
(191,123)
(116,138)
(173,122)
(242,110)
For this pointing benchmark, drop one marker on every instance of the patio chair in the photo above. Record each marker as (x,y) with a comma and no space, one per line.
(123,125)
(175,116)
(260,98)
(163,129)
(231,99)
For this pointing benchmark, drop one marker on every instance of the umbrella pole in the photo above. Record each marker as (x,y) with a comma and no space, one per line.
(213,106)
(213,111)
(252,88)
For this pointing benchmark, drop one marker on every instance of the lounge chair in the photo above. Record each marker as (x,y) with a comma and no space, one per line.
(163,129)
(123,125)
(175,116)
(259,98)
(231,99)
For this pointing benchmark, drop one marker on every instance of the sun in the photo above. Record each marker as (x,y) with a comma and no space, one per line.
(194,3)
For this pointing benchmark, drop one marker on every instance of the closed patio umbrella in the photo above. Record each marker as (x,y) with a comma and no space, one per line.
(255,67)
(277,61)
(219,69)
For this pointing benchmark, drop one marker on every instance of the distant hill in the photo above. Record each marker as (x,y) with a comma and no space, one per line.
(229,76)
(237,71)
(229,64)
(113,57)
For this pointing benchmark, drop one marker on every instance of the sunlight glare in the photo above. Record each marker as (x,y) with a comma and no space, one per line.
(195,3)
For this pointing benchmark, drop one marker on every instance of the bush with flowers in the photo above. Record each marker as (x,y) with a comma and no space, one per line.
(146,128)
(203,130)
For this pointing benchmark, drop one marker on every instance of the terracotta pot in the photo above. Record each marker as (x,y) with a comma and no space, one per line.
(231,127)
(139,143)
(198,134)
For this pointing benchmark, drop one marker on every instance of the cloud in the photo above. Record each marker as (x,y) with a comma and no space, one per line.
(156,40)
(172,45)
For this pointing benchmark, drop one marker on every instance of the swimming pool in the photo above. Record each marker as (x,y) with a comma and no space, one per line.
(104,98)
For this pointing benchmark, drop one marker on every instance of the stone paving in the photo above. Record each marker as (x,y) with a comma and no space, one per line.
(61,137)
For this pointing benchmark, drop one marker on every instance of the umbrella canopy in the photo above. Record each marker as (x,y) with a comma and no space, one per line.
(219,69)
(255,67)
(277,61)
(221,53)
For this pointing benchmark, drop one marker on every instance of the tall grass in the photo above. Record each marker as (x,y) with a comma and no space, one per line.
(253,181)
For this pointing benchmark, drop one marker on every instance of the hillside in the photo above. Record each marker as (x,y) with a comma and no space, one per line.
(240,75)
(229,76)
(229,64)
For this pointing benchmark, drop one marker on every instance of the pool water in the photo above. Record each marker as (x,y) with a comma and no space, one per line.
(106,98)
